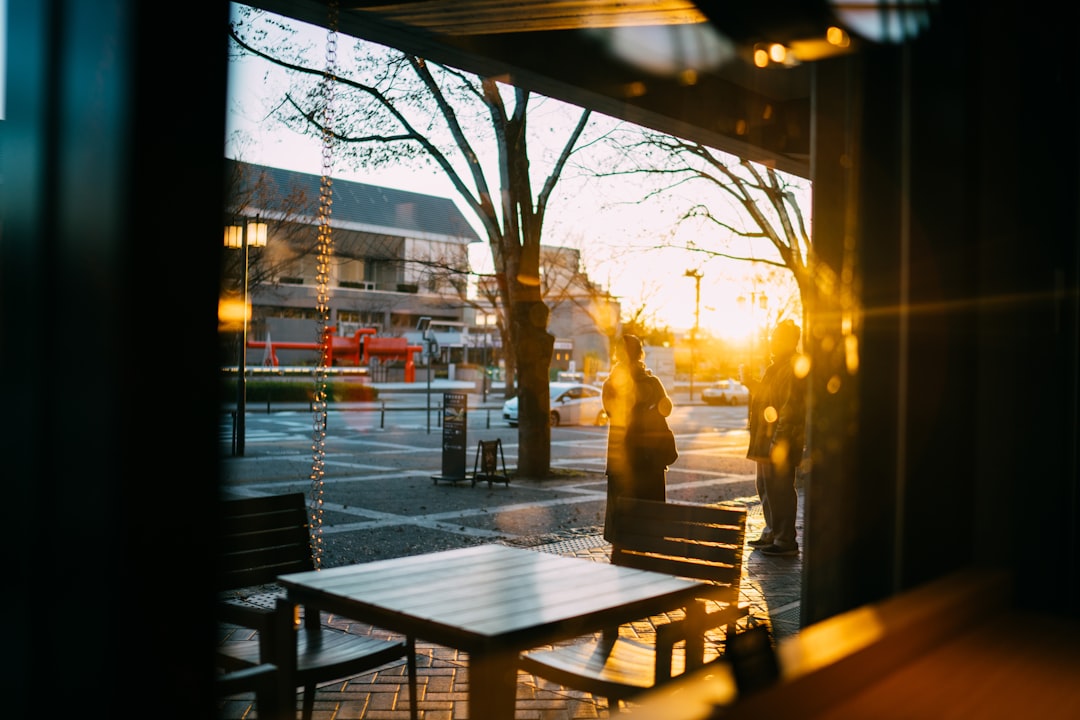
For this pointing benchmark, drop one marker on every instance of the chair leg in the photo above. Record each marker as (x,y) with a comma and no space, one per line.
(414,710)
(284,638)
(266,703)
(309,701)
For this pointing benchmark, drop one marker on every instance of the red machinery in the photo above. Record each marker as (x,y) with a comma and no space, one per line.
(356,349)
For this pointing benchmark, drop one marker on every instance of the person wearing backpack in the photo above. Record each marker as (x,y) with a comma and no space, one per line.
(640,446)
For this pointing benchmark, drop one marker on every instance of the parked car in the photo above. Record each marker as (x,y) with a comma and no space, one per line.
(571,404)
(726,392)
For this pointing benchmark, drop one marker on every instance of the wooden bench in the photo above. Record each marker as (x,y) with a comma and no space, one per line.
(702,542)
(264,537)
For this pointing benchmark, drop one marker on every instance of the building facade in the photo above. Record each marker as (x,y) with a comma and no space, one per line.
(398,256)
(584,317)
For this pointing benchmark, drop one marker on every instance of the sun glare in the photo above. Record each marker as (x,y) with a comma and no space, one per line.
(734,325)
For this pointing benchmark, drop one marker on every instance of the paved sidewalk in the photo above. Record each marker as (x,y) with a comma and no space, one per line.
(770,584)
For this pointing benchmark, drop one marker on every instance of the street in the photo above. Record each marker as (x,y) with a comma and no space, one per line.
(380,500)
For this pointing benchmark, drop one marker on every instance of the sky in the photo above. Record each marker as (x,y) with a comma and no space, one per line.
(618,239)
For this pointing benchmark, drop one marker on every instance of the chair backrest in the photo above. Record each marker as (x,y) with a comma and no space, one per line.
(699,541)
(262,538)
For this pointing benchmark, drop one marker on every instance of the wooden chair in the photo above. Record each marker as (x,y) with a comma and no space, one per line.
(703,542)
(262,538)
(489,454)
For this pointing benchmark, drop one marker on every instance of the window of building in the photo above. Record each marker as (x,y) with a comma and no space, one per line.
(350,273)
(349,321)
(283,311)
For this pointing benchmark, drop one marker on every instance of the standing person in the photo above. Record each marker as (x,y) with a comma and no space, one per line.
(635,467)
(777,436)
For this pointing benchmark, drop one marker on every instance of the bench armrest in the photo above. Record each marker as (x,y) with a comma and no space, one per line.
(692,629)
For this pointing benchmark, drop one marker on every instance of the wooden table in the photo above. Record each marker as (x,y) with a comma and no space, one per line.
(491,602)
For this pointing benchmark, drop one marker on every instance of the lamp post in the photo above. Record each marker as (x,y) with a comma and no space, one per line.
(483,372)
(424,326)
(697,275)
(250,234)
(485,322)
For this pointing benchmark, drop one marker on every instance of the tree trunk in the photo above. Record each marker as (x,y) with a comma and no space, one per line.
(509,367)
(534,348)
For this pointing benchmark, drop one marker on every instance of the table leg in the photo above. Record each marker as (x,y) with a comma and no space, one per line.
(492,685)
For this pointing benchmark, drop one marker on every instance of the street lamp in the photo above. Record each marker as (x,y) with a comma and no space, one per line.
(250,234)
(696,274)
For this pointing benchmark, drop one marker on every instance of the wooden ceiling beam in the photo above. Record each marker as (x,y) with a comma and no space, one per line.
(485,17)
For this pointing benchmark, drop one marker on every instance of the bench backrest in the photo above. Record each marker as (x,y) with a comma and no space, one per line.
(262,538)
(699,541)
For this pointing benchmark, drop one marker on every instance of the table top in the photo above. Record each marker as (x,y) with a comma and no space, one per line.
(492,595)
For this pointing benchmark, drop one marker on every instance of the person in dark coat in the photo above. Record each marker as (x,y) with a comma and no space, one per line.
(634,466)
(777,436)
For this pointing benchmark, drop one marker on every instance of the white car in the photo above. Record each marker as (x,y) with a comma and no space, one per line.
(726,392)
(571,404)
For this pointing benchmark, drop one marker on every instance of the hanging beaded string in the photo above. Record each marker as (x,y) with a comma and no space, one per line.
(322,300)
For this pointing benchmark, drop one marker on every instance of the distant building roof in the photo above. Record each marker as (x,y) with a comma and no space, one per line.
(369,208)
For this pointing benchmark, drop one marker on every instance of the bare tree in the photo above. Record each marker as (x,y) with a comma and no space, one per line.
(756,211)
(392,107)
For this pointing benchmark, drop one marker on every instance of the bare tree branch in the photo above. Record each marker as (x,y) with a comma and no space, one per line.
(764,206)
